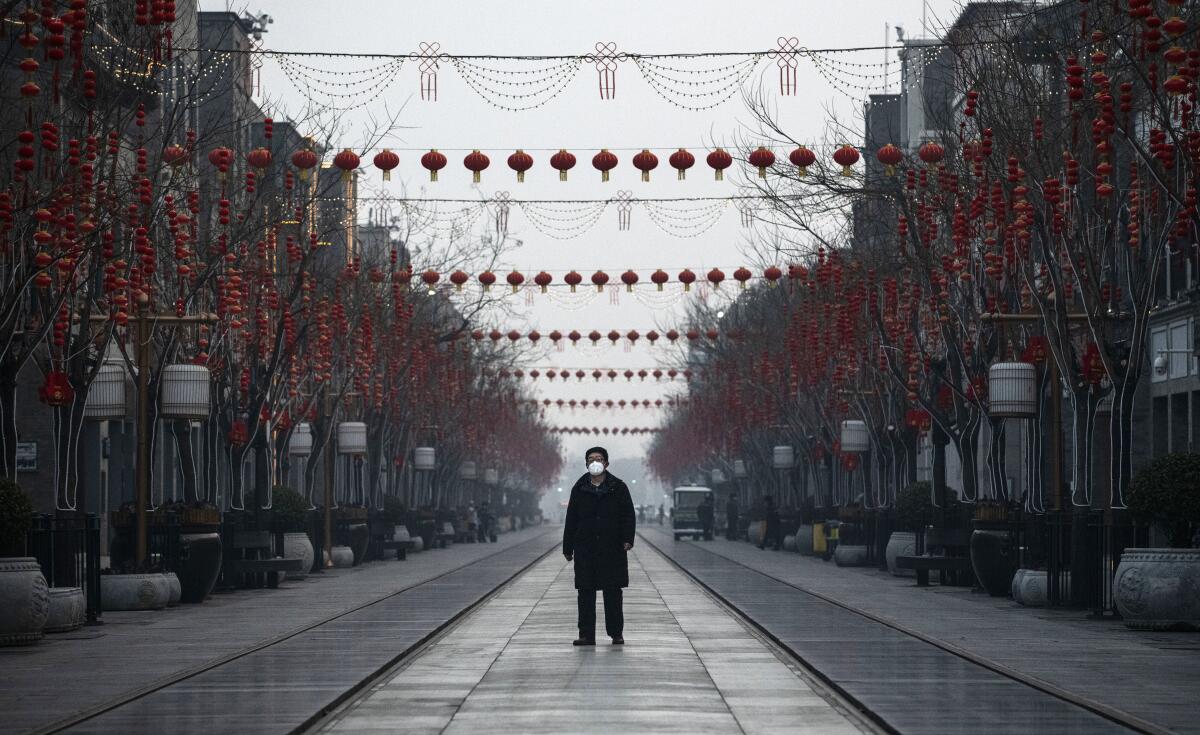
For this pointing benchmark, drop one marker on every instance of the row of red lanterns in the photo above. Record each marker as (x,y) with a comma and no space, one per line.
(715,277)
(603,430)
(594,336)
(610,403)
(599,374)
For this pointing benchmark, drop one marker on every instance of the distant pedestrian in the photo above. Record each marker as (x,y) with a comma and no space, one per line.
(731,518)
(660,514)
(772,533)
(705,512)
(598,536)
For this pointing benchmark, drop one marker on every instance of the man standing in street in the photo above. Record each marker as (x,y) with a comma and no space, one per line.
(705,512)
(772,534)
(731,518)
(598,536)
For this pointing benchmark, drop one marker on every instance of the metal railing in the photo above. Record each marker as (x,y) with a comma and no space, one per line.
(67,549)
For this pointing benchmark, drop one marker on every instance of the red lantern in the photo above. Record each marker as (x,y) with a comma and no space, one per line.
(890,156)
(385,161)
(573,279)
(543,279)
(515,279)
(599,278)
(681,160)
(687,278)
(520,162)
(633,336)
(221,158)
(741,275)
(433,162)
(555,336)
(802,158)
(604,161)
(630,279)
(514,335)
(846,156)
(303,160)
(719,160)
(563,161)
(672,335)
(175,155)
(430,278)
(614,335)
(931,153)
(715,276)
(459,278)
(772,274)
(645,162)
(475,163)
(57,390)
(487,278)
(594,336)
(659,277)
(347,161)
(574,336)
(763,159)
(259,158)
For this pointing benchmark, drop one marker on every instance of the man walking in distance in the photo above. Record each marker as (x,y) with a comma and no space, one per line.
(707,514)
(731,518)
(598,536)
(772,534)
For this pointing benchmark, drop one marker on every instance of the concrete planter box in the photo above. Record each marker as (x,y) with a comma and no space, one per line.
(296,545)
(850,556)
(343,556)
(24,601)
(1015,590)
(134,592)
(1156,589)
(756,531)
(174,590)
(901,543)
(418,544)
(68,609)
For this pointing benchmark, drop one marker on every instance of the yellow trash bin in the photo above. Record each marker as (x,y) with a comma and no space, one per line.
(818,537)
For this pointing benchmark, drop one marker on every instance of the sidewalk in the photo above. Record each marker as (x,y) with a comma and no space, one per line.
(1154,676)
(687,666)
(68,673)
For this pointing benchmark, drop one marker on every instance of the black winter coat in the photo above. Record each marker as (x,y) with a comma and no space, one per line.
(600,520)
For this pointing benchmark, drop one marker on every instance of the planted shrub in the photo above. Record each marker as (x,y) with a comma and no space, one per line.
(291,509)
(1166,493)
(16,516)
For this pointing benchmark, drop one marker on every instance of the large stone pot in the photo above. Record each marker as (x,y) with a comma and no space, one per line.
(68,609)
(343,556)
(174,589)
(804,539)
(756,532)
(418,544)
(199,565)
(24,601)
(850,555)
(992,562)
(901,543)
(1159,589)
(1015,590)
(133,592)
(789,543)
(360,539)
(297,545)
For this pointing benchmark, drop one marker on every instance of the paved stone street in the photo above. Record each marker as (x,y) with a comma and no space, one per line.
(687,666)
(1101,661)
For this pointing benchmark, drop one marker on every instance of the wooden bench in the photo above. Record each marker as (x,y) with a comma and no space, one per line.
(445,536)
(257,566)
(924,564)
(401,542)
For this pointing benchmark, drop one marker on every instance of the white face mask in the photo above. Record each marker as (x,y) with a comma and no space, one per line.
(596,468)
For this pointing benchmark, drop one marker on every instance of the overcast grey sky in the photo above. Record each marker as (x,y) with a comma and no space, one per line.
(579,121)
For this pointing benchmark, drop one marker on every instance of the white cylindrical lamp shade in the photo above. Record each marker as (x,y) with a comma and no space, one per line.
(739,468)
(424,458)
(491,476)
(107,395)
(1012,390)
(855,437)
(783,457)
(467,470)
(717,477)
(301,441)
(185,392)
(352,437)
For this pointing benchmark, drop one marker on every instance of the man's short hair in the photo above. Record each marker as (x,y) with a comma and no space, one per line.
(596,450)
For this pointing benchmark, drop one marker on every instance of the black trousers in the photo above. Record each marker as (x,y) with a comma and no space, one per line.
(731,531)
(614,617)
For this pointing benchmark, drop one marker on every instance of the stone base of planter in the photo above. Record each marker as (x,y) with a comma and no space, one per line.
(850,555)
(68,609)
(133,592)
(343,556)
(804,539)
(901,543)
(789,543)
(24,601)
(174,591)
(298,546)
(1159,589)
(418,544)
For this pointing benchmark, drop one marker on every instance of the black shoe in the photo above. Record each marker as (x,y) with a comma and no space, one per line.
(618,641)
(584,642)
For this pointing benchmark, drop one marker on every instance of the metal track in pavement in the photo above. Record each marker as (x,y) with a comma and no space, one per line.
(83,717)
(1111,714)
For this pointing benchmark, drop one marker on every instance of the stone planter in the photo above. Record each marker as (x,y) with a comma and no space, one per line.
(24,601)
(991,560)
(1015,589)
(174,590)
(1031,587)
(1159,589)
(901,543)
(133,592)
(296,545)
(68,609)
(343,556)
(199,565)
(756,532)
(789,543)
(804,539)
(418,544)
(850,555)
(360,538)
